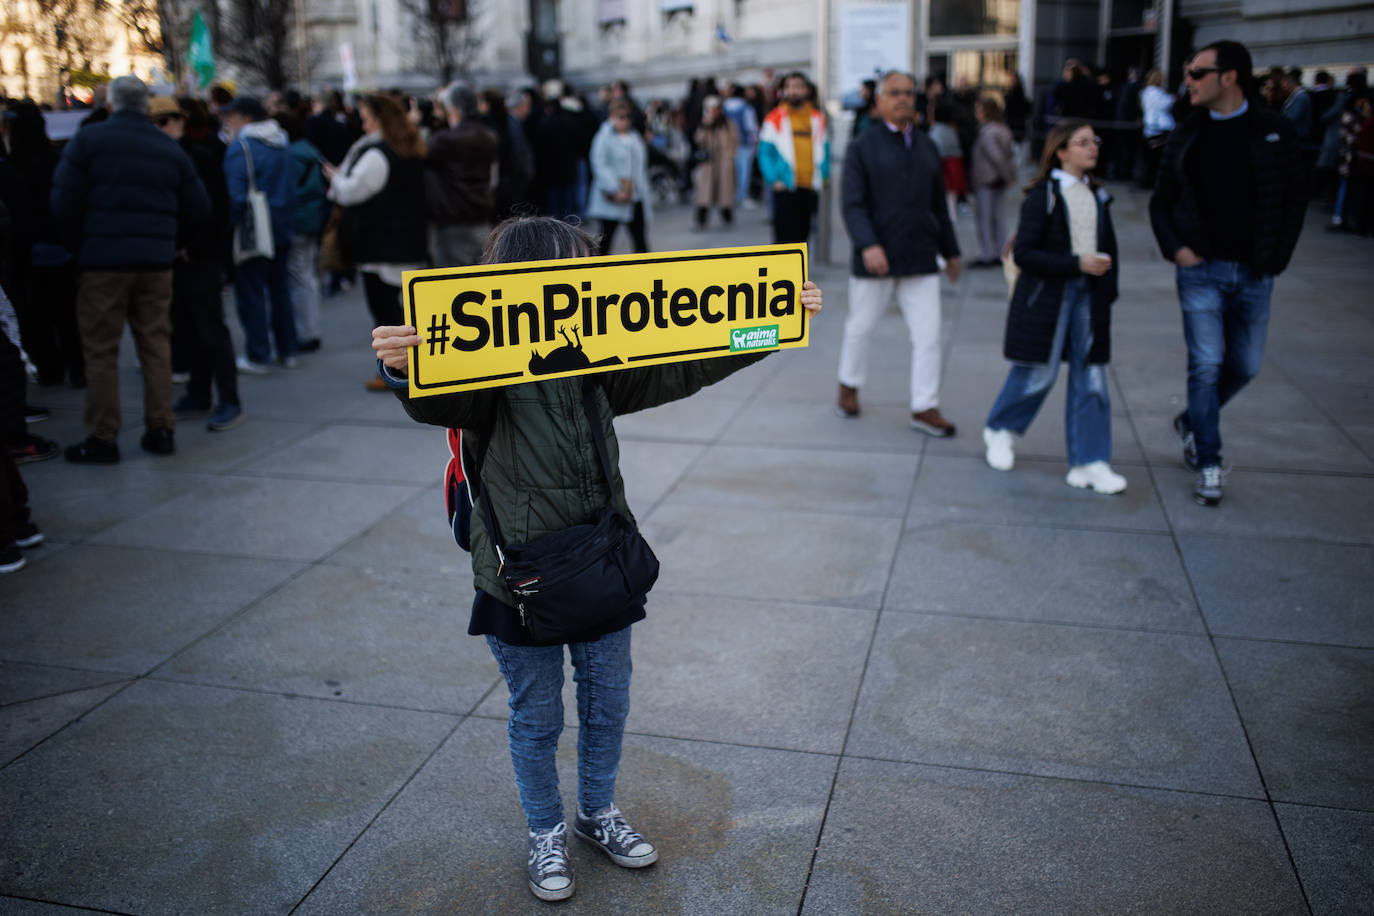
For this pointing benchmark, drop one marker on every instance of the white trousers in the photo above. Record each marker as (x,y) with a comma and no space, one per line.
(919,299)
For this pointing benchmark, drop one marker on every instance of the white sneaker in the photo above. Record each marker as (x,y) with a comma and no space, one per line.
(1001,454)
(1097,476)
(248,367)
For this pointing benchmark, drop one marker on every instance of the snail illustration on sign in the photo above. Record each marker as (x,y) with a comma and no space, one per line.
(567,359)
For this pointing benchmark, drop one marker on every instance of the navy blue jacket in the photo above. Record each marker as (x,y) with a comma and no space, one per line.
(1044,252)
(895,197)
(119,192)
(275,173)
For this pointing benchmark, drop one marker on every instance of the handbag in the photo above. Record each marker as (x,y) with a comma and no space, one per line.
(253,234)
(570,581)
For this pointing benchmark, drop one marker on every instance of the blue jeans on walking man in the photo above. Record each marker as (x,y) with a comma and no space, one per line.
(254,282)
(534,675)
(1225,322)
(1088,407)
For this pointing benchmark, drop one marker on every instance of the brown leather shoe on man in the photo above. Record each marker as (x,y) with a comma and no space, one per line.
(932,423)
(848,403)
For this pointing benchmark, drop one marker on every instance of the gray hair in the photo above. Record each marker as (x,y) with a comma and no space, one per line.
(128,93)
(459,96)
(887,75)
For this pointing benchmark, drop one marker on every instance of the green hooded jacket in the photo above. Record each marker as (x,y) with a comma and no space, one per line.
(541,468)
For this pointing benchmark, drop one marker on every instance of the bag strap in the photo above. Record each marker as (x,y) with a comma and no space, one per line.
(248,158)
(589,407)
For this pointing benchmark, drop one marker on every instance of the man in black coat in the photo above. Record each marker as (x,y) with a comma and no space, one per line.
(895,211)
(458,176)
(119,193)
(1227,211)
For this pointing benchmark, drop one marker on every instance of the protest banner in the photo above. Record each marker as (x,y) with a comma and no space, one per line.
(504,324)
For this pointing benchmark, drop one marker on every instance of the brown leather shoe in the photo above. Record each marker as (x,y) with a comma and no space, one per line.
(932,423)
(376,384)
(848,403)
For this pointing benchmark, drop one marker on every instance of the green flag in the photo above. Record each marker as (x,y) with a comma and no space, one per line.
(201,54)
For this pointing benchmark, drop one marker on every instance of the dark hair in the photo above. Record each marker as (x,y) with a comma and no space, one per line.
(292,123)
(1322,77)
(1058,139)
(1232,55)
(1294,74)
(536,238)
(29,133)
(196,113)
(219,95)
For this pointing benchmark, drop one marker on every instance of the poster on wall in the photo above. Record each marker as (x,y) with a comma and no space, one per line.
(874,38)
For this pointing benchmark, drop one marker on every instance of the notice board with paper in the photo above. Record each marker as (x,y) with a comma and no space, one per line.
(504,324)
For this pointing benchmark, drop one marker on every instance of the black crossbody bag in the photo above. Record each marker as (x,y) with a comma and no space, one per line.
(571,581)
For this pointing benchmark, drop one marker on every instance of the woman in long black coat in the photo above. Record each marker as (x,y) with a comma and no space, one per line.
(1061,310)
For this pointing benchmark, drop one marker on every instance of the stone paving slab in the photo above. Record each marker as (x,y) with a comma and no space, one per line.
(72,502)
(413,455)
(140,616)
(1332,850)
(651,469)
(735,827)
(1282,590)
(1050,575)
(261,517)
(716,669)
(800,556)
(24,725)
(966,490)
(1138,708)
(1309,444)
(1309,714)
(362,635)
(179,799)
(960,841)
(1297,506)
(690,420)
(767,479)
(21,682)
(413,543)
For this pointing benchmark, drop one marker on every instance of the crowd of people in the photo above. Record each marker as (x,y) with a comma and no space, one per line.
(142,217)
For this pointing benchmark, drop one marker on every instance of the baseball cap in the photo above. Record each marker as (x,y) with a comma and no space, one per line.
(246,105)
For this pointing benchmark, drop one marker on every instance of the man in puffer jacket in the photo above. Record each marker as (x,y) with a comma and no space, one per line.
(118,194)
(274,173)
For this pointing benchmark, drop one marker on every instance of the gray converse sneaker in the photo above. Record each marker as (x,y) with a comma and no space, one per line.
(607,830)
(551,876)
(1208,489)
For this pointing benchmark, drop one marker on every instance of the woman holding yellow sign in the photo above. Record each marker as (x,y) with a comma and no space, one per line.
(542,460)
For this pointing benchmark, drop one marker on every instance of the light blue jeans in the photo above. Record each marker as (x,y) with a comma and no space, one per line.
(1225,321)
(534,675)
(1088,408)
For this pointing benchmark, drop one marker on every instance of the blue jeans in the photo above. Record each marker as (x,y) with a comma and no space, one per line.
(744,162)
(1088,408)
(254,282)
(534,675)
(1225,321)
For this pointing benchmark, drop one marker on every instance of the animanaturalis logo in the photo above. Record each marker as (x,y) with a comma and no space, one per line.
(762,338)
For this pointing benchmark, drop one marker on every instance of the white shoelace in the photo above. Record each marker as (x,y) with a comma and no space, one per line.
(548,856)
(613,822)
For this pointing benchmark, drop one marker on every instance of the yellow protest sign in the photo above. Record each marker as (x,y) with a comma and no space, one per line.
(503,324)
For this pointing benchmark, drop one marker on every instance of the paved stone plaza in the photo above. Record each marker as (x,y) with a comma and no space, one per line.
(876,676)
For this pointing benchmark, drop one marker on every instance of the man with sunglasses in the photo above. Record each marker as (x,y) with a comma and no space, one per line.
(1227,210)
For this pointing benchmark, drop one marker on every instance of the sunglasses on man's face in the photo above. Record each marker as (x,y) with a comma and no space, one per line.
(164,120)
(1198,73)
